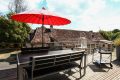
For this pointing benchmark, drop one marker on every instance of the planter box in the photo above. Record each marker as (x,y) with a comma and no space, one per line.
(118,52)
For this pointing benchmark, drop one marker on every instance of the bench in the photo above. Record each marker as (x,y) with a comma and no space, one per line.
(41,66)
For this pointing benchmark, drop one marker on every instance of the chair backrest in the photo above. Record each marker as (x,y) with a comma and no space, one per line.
(62,59)
(76,56)
(42,62)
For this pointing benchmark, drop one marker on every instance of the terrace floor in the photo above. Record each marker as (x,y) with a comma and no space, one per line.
(93,72)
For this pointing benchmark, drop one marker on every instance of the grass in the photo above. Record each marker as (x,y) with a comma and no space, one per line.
(4,51)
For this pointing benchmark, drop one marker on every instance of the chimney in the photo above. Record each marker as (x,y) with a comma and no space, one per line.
(51,28)
(91,31)
(92,34)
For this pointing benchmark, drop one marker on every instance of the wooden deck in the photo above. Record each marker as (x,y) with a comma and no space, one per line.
(93,72)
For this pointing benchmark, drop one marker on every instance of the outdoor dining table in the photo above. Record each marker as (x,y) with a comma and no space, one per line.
(23,60)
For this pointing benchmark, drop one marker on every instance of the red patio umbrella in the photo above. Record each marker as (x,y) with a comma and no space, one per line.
(42,16)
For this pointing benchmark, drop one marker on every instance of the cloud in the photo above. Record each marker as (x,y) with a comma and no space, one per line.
(84,14)
(115,0)
(94,7)
(4,5)
(32,4)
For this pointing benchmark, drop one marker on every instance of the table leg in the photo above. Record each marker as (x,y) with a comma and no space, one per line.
(84,64)
(19,72)
(100,60)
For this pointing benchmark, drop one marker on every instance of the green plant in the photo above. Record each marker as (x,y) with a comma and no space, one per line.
(110,35)
(13,31)
(117,42)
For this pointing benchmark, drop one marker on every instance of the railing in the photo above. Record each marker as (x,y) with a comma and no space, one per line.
(69,44)
(64,44)
(53,45)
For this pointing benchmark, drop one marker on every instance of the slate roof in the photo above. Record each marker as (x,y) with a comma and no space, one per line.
(63,35)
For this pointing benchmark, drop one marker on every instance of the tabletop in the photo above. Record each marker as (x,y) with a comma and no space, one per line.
(25,57)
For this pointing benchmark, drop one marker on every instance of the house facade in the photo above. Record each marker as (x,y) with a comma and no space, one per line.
(63,37)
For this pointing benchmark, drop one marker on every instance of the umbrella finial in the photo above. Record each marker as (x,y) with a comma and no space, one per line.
(43,8)
(42,4)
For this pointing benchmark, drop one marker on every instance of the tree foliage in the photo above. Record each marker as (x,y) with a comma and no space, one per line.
(116,31)
(12,31)
(110,35)
(117,42)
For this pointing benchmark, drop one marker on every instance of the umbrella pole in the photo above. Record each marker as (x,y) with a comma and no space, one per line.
(42,37)
(42,29)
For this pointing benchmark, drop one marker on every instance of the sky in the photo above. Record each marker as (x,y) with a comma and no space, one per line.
(85,15)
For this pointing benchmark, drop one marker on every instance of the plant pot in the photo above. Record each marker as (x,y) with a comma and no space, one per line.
(118,52)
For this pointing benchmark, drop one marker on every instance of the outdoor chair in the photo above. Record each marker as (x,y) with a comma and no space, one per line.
(47,65)
(102,57)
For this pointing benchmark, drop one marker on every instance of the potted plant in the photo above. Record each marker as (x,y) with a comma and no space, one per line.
(117,44)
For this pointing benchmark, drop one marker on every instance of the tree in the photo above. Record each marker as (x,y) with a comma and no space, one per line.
(110,35)
(116,30)
(12,31)
(17,6)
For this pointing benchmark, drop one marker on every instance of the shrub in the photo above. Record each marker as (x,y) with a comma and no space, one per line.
(117,42)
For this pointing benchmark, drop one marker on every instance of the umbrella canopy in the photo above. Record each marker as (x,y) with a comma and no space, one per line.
(42,16)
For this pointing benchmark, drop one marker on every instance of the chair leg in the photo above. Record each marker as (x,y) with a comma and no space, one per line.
(111,65)
(80,70)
